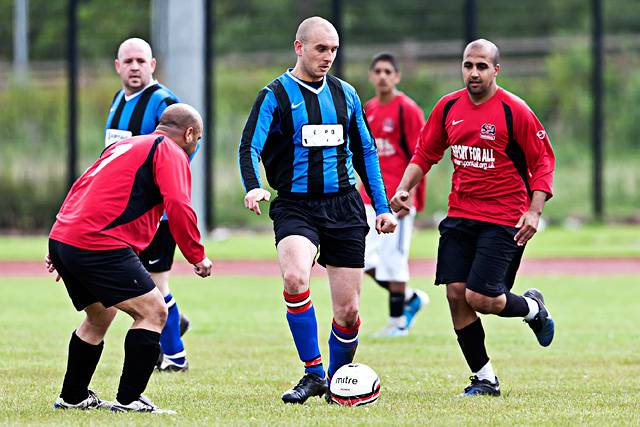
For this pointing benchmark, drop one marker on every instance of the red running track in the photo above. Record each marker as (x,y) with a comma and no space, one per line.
(419,267)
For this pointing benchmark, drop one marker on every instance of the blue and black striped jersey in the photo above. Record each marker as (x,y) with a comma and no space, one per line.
(310,141)
(139,115)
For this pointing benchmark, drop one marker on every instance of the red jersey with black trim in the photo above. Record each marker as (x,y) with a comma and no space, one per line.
(500,153)
(395,126)
(119,200)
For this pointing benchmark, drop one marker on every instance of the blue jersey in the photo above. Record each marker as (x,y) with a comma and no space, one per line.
(139,115)
(310,141)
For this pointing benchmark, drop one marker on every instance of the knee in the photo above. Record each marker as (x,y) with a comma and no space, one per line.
(156,313)
(347,314)
(482,303)
(294,282)
(456,297)
(102,320)
(162,313)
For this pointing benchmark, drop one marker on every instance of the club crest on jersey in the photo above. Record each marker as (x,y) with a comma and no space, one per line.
(388,125)
(488,131)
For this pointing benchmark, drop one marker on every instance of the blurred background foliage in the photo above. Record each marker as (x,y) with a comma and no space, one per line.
(546,59)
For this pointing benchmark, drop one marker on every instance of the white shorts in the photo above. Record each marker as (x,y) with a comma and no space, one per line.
(389,253)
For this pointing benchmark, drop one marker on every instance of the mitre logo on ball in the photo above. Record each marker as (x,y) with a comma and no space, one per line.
(355,384)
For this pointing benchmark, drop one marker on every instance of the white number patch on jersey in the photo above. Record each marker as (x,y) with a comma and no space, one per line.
(322,135)
(115,135)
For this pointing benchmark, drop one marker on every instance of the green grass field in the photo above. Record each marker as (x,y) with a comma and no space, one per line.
(242,358)
(588,241)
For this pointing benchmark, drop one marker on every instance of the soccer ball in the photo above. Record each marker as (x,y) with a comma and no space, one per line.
(355,384)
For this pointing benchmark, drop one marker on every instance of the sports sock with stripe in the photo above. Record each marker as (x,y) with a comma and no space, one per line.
(471,341)
(343,342)
(81,364)
(141,349)
(301,317)
(170,341)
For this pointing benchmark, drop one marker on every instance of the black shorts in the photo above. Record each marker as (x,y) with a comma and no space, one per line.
(481,254)
(337,224)
(109,277)
(158,256)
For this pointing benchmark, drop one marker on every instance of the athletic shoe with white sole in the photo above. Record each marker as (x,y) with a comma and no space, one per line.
(480,387)
(419,300)
(310,385)
(168,365)
(542,324)
(91,402)
(142,404)
(391,330)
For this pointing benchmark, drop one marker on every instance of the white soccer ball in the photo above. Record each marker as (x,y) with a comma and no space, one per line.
(355,384)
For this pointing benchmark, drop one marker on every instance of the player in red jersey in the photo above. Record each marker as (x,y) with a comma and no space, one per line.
(110,214)
(395,121)
(503,174)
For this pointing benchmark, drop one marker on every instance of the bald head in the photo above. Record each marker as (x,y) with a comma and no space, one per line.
(312,25)
(183,124)
(137,45)
(486,47)
(181,116)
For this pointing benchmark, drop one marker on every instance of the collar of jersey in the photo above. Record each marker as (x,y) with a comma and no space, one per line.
(311,88)
(133,95)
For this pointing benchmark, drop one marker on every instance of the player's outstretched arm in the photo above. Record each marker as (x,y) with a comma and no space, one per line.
(254,197)
(203,268)
(401,200)
(386,223)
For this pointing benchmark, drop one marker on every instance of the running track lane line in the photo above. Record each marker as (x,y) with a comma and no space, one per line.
(419,267)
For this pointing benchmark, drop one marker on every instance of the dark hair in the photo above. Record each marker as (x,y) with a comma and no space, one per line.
(387,57)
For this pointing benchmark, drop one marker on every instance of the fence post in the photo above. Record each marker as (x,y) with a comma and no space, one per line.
(598,120)
(72,73)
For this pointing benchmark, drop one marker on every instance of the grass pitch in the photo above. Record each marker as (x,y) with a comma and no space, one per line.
(553,242)
(242,358)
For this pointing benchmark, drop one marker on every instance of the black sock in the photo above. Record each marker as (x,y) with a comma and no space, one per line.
(81,364)
(396,304)
(516,306)
(471,340)
(141,349)
(382,283)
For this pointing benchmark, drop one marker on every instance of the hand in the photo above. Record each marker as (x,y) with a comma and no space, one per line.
(386,223)
(400,202)
(255,196)
(203,268)
(528,225)
(48,264)
(404,212)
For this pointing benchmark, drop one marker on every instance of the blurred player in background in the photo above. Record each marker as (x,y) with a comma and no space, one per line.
(309,130)
(111,211)
(136,110)
(503,174)
(395,121)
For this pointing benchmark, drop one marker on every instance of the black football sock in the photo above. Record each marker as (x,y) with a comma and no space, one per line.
(396,304)
(516,306)
(471,341)
(81,364)
(141,349)
(382,283)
